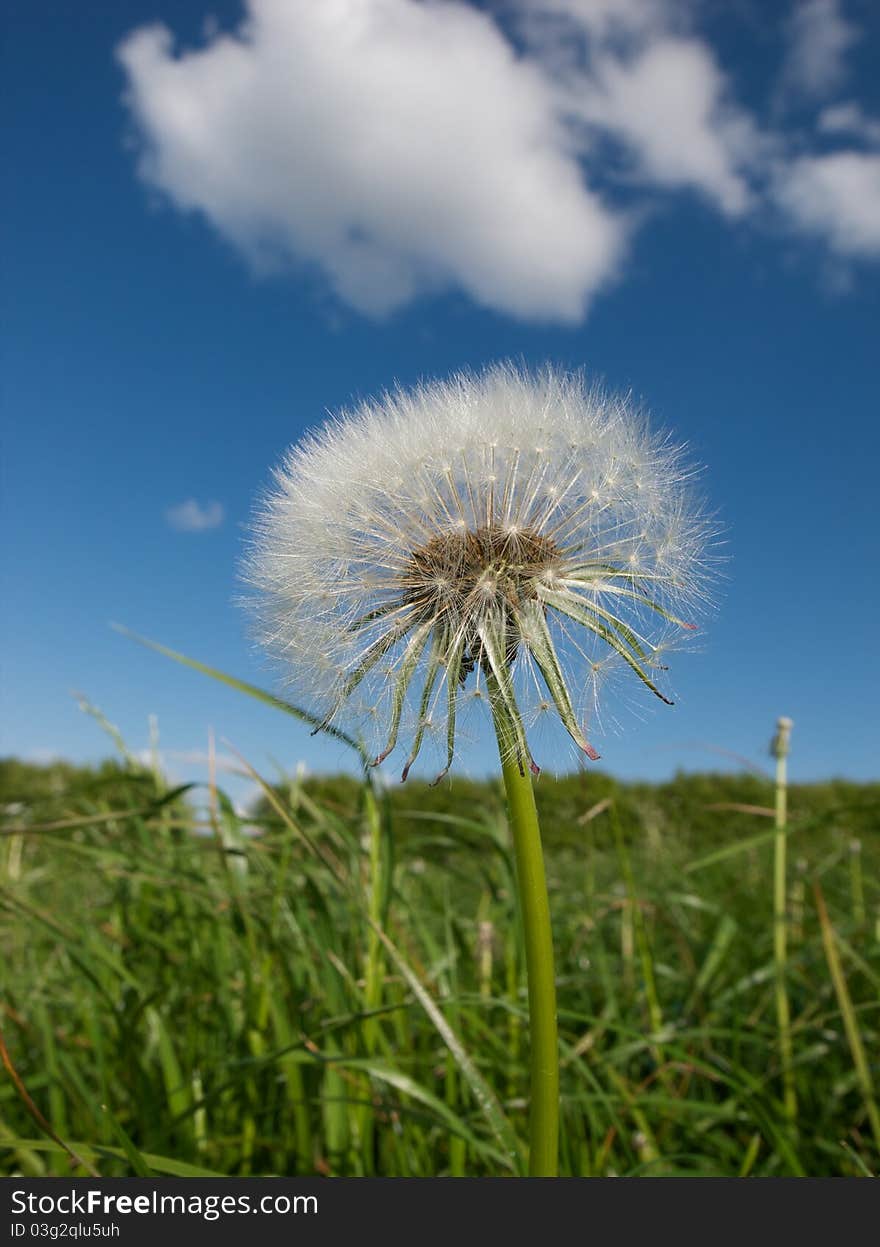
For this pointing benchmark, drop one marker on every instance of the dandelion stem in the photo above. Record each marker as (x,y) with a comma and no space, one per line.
(535,909)
(783,1015)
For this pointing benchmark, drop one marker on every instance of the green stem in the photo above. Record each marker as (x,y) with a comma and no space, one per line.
(376,889)
(848,1013)
(783,1015)
(373,968)
(535,909)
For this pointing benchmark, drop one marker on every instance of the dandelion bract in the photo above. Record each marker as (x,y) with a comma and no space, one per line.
(501,535)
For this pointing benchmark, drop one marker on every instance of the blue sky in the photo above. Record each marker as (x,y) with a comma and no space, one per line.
(223,232)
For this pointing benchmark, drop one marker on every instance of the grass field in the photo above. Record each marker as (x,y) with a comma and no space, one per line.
(337,986)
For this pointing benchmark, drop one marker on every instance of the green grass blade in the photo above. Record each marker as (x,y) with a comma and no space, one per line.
(242,686)
(850,1021)
(511,1147)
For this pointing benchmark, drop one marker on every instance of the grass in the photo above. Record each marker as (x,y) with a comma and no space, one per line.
(344,992)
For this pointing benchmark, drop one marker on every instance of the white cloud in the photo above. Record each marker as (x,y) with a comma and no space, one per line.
(836,197)
(667,105)
(849,118)
(645,80)
(399,146)
(819,37)
(192,517)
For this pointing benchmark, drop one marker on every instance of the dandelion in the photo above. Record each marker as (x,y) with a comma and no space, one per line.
(499,539)
(499,535)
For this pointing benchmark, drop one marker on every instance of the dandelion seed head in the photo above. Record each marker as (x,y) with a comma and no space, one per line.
(493,535)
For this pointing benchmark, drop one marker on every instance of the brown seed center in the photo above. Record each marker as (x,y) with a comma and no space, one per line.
(499,562)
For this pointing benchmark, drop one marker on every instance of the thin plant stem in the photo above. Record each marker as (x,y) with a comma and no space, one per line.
(455,1092)
(376,890)
(538,940)
(848,1013)
(783,1012)
(373,969)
